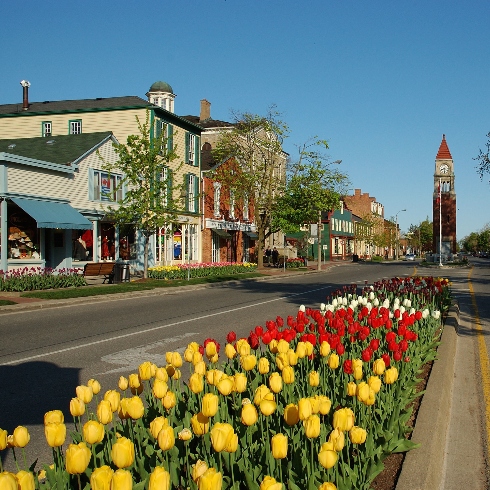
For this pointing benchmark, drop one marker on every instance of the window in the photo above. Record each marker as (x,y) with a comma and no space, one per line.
(75,127)
(192,193)
(245,208)
(232,204)
(167,139)
(217,199)
(165,176)
(104,186)
(46,128)
(192,149)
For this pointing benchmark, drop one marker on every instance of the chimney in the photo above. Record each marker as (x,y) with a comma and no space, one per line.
(205,110)
(25,99)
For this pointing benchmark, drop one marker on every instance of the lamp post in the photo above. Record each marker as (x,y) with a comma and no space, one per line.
(396,231)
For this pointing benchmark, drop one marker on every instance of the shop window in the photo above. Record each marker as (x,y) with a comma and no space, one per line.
(128,249)
(23,235)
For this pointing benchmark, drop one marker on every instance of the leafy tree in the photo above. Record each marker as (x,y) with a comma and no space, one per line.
(255,144)
(148,201)
(420,236)
(484,159)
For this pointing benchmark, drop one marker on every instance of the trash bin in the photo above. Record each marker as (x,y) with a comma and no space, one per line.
(121,273)
(355,258)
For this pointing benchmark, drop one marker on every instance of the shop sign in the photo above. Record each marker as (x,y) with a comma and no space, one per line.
(216,224)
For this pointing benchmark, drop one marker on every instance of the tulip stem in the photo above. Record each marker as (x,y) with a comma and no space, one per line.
(79,482)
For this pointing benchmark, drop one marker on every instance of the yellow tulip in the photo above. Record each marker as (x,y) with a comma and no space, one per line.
(230,351)
(324,349)
(197,358)
(85,393)
(309,348)
(159,479)
(357,435)
(327,486)
(273,346)
(188,354)
(232,444)
(114,398)
(260,394)
(21,436)
(240,384)
(282,360)
(196,383)
(122,452)
(144,371)
(93,432)
(343,419)
(122,480)
(391,375)
(55,434)
(275,382)
(356,363)
(211,350)
(248,362)
(269,483)
(200,368)
(200,424)
(25,479)
(288,375)
(282,346)
(176,360)
(264,365)
(362,391)
(279,444)
(220,435)
(77,407)
(351,389)
(315,404)
(104,412)
(123,383)
(198,469)
(3,439)
(304,408)
(312,426)
(101,478)
(267,407)
(314,378)
(156,425)
(325,404)
(214,359)
(193,346)
(379,367)
(159,388)
(8,481)
(225,385)
(210,480)
(54,417)
(301,350)
(161,373)
(357,373)
(209,404)
(166,438)
(95,385)
(291,414)
(77,458)
(243,347)
(170,370)
(135,407)
(122,410)
(169,400)
(337,438)
(333,361)
(374,383)
(327,457)
(292,357)
(135,384)
(213,376)
(249,414)
(185,434)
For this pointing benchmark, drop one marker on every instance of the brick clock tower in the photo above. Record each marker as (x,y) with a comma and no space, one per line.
(444,201)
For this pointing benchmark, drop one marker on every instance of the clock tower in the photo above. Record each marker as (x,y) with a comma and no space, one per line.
(444,202)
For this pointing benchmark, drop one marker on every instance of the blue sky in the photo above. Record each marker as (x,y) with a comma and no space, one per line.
(380,80)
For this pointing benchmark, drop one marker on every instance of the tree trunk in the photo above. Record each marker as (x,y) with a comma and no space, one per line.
(145,260)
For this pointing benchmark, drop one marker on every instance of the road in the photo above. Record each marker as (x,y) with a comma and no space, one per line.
(45,354)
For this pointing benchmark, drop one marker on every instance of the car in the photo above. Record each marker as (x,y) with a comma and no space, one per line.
(410,257)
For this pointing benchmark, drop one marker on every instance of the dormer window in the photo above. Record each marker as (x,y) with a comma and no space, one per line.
(46,129)
(75,126)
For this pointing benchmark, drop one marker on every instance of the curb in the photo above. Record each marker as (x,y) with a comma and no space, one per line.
(423,467)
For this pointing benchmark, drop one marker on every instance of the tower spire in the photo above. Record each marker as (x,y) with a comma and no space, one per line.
(444,153)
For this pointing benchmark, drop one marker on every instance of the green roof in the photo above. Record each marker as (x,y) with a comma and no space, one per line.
(161,87)
(63,149)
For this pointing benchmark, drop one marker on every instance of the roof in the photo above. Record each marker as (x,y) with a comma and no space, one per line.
(62,150)
(444,153)
(161,87)
(208,123)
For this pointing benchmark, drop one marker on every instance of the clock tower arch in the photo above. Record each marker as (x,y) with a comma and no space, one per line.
(444,202)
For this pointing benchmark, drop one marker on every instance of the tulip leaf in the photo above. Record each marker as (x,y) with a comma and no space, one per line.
(174,472)
(404,445)
(140,485)
(292,486)
(249,480)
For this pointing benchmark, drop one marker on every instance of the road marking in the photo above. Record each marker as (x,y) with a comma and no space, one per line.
(483,354)
(159,327)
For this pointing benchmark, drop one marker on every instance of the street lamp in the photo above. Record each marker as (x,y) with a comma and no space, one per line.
(396,231)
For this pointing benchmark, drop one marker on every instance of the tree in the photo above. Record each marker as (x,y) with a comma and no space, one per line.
(484,159)
(420,236)
(147,202)
(255,144)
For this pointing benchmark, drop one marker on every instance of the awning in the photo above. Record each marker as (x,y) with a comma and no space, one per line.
(252,235)
(53,214)
(222,233)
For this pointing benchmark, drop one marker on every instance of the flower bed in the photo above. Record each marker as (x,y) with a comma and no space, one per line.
(316,401)
(34,278)
(295,263)
(181,271)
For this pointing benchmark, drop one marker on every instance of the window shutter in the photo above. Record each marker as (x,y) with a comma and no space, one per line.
(170,133)
(196,194)
(197,151)
(187,179)
(90,184)
(159,128)
(169,186)
(187,137)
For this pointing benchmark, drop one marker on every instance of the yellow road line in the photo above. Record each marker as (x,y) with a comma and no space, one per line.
(483,354)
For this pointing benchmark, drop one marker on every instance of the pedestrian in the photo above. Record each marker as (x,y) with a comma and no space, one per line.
(268,254)
(275,257)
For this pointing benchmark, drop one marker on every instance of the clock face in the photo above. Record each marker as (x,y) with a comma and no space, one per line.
(444,169)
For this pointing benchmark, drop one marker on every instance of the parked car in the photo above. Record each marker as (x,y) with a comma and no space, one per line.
(410,257)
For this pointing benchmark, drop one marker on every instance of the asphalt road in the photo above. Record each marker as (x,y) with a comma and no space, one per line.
(45,354)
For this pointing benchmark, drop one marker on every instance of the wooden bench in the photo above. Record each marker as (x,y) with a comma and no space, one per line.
(94,269)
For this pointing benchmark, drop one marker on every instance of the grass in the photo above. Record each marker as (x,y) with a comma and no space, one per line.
(141,285)
(6,302)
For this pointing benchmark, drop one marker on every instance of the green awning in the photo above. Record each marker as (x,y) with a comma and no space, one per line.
(252,235)
(53,214)
(222,233)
